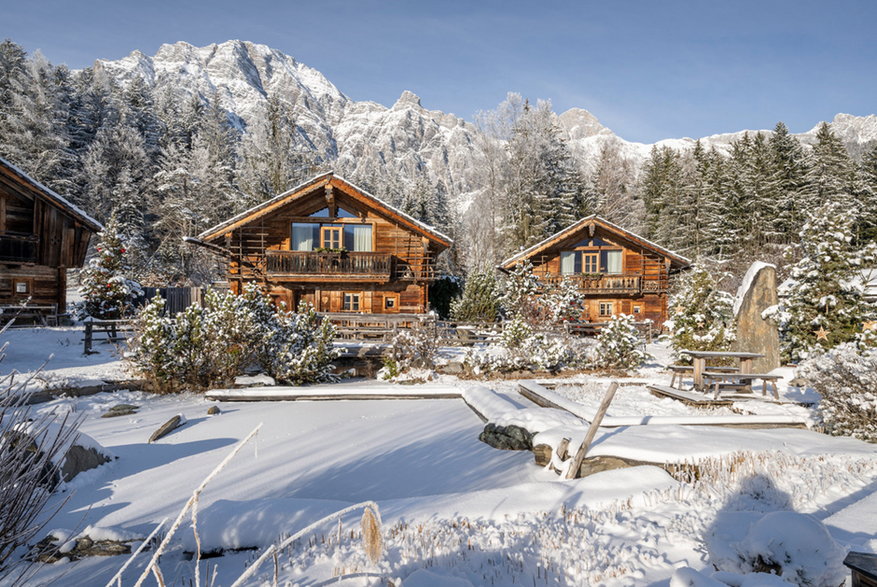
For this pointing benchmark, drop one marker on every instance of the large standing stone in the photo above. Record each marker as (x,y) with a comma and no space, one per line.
(754,332)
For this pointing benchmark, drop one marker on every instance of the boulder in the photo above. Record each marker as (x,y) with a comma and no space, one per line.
(755,332)
(120,410)
(213,411)
(506,437)
(168,427)
(81,458)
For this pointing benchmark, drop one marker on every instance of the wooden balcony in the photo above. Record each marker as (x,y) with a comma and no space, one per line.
(621,284)
(18,248)
(316,266)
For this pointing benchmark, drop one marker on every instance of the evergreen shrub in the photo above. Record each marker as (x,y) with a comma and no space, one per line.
(209,345)
(619,345)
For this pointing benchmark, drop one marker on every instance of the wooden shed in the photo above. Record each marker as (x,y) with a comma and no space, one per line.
(41,236)
(618,271)
(332,244)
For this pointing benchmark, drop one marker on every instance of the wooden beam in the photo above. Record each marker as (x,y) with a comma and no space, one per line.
(576,464)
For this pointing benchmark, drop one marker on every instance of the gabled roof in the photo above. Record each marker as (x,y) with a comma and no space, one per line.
(677,260)
(305,189)
(42,192)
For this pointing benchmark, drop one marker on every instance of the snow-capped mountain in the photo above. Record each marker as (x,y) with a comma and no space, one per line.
(369,137)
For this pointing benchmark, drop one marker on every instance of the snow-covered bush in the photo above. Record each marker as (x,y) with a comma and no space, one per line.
(480,299)
(563,303)
(823,303)
(205,346)
(515,333)
(411,348)
(619,345)
(520,349)
(846,378)
(701,315)
(106,290)
(796,546)
(520,297)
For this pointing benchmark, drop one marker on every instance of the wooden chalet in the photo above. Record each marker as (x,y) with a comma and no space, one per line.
(334,245)
(618,271)
(41,236)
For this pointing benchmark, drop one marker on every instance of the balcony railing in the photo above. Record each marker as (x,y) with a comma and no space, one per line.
(336,265)
(603,284)
(18,248)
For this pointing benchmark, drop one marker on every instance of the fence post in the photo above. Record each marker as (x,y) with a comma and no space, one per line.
(88,332)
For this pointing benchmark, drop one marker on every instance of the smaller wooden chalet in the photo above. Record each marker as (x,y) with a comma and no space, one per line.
(334,245)
(41,236)
(618,271)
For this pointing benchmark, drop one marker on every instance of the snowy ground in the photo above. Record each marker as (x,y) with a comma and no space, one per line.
(453,508)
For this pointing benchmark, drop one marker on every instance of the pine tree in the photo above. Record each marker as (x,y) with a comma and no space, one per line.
(786,183)
(701,314)
(105,287)
(480,299)
(824,306)
(520,297)
(831,174)
(662,194)
(868,202)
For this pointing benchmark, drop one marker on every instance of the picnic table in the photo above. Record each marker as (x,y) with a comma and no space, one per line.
(699,358)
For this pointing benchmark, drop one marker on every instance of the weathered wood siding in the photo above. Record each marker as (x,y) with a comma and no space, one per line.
(653,269)
(411,254)
(56,240)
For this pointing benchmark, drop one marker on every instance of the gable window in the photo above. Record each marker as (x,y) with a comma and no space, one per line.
(611,261)
(351,302)
(307,236)
(589,263)
(304,236)
(358,237)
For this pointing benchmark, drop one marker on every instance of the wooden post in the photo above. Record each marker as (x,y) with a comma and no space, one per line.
(573,471)
(88,334)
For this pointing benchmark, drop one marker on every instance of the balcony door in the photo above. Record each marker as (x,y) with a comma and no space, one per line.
(330,237)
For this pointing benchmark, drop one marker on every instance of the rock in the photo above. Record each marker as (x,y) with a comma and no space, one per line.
(48,550)
(506,437)
(755,333)
(168,427)
(79,459)
(120,410)
(213,410)
(452,368)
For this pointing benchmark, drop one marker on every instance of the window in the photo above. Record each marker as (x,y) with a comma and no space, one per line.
(637,309)
(342,213)
(389,303)
(611,261)
(607,309)
(304,236)
(351,302)
(358,237)
(330,237)
(322,213)
(589,263)
(568,262)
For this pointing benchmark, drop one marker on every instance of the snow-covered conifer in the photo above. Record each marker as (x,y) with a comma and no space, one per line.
(619,345)
(700,314)
(106,289)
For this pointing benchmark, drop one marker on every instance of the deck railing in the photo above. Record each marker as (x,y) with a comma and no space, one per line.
(335,264)
(600,284)
(18,248)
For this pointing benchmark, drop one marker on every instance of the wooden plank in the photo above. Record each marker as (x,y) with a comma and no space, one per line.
(687,397)
(573,470)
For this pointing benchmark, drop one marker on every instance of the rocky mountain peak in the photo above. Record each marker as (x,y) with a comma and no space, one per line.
(408,99)
(581,124)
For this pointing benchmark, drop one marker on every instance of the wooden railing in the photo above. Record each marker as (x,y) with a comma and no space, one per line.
(335,264)
(18,248)
(601,284)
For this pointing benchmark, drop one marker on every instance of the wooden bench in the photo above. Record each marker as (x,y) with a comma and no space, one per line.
(688,397)
(723,380)
(46,315)
(679,371)
(107,330)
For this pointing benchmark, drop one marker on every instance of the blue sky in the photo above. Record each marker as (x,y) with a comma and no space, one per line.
(647,69)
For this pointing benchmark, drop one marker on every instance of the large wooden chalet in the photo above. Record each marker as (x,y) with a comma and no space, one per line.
(334,245)
(41,236)
(618,271)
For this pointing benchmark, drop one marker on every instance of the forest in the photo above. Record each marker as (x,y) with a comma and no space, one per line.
(170,164)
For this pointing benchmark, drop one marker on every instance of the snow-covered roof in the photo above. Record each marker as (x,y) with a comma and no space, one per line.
(53,197)
(678,260)
(302,189)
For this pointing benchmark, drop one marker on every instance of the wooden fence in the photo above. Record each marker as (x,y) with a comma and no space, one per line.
(176,299)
